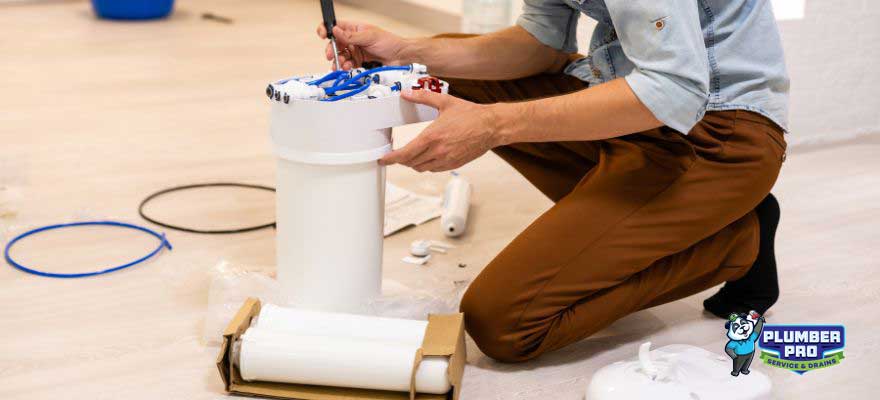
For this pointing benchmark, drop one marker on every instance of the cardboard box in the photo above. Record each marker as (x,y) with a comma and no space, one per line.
(444,336)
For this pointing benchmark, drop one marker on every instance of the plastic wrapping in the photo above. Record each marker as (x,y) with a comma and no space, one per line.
(229,286)
(416,300)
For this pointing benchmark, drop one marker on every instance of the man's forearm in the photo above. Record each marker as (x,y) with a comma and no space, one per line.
(600,112)
(507,54)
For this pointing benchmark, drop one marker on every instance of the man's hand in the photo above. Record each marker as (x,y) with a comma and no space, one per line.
(359,42)
(462,132)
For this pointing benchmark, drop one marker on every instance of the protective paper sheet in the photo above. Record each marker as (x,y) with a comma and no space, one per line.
(404,208)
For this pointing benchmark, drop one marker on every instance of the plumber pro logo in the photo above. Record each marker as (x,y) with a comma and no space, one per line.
(802,348)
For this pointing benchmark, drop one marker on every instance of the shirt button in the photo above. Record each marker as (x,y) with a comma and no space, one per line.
(659,24)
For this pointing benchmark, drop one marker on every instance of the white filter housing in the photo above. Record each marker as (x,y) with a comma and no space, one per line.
(330,196)
(677,372)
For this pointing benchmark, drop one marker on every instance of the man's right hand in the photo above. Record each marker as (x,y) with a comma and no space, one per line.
(359,42)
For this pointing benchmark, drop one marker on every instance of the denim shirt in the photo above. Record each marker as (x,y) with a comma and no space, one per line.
(680,57)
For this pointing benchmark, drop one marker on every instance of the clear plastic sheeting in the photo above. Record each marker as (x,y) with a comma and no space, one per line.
(427,296)
(231,285)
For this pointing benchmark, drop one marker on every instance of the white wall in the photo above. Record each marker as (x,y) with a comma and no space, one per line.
(833,54)
(832,49)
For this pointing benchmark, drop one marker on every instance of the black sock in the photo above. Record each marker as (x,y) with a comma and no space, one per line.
(759,288)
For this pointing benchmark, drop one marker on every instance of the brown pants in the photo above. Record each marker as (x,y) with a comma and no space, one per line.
(639,221)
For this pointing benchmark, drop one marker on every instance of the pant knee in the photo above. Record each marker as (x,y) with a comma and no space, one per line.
(494,329)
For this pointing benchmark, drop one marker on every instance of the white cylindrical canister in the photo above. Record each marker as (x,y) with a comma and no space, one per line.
(326,324)
(329,233)
(331,196)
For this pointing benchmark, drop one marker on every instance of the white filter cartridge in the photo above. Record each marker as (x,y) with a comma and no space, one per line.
(272,356)
(327,324)
(456,202)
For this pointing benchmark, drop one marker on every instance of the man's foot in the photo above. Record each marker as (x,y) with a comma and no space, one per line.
(734,373)
(745,372)
(759,288)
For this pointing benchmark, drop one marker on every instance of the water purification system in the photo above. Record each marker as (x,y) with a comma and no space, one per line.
(328,132)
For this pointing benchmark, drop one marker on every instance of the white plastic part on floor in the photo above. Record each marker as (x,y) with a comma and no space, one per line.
(330,196)
(677,372)
(456,203)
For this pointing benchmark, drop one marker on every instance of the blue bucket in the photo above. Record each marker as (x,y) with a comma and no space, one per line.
(132,9)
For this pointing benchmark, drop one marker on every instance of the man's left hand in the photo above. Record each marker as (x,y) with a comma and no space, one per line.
(462,132)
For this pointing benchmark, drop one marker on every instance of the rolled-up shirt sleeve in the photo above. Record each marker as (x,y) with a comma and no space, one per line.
(552,22)
(664,41)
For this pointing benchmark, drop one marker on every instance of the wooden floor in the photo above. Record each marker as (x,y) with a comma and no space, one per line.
(95,115)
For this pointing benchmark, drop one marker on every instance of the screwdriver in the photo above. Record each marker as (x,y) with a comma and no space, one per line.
(329,22)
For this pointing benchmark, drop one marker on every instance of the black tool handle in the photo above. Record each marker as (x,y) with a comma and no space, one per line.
(329,16)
